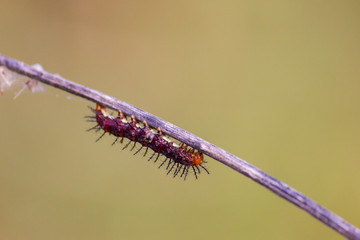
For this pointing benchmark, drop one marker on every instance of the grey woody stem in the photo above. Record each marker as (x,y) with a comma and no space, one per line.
(279,188)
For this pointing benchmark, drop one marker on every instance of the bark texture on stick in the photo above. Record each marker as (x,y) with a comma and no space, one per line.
(281,189)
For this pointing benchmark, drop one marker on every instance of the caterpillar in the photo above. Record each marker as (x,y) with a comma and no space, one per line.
(180,158)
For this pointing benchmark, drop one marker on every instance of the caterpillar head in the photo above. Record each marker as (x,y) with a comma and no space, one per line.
(198,158)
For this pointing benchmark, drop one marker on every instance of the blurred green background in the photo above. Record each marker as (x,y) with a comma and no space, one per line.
(274,82)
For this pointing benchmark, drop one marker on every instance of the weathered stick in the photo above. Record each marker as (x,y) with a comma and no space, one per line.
(281,189)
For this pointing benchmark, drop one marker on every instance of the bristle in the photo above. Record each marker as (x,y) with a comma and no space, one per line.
(127,145)
(157,157)
(100,137)
(93,128)
(133,146)
(163,162)
(92,109)
(115,141)
(194,172)
(172,166)
(152,156)
(185,167)
(186,173)
(138,150)
(204,169)
(168,164)
(147,148)
(177,169)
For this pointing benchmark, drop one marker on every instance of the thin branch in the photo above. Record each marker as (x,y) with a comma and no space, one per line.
(279,188)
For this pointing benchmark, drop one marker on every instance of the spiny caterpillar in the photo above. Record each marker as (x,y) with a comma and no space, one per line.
(180,158)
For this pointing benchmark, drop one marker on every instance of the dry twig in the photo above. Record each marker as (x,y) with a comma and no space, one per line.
(281,189)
